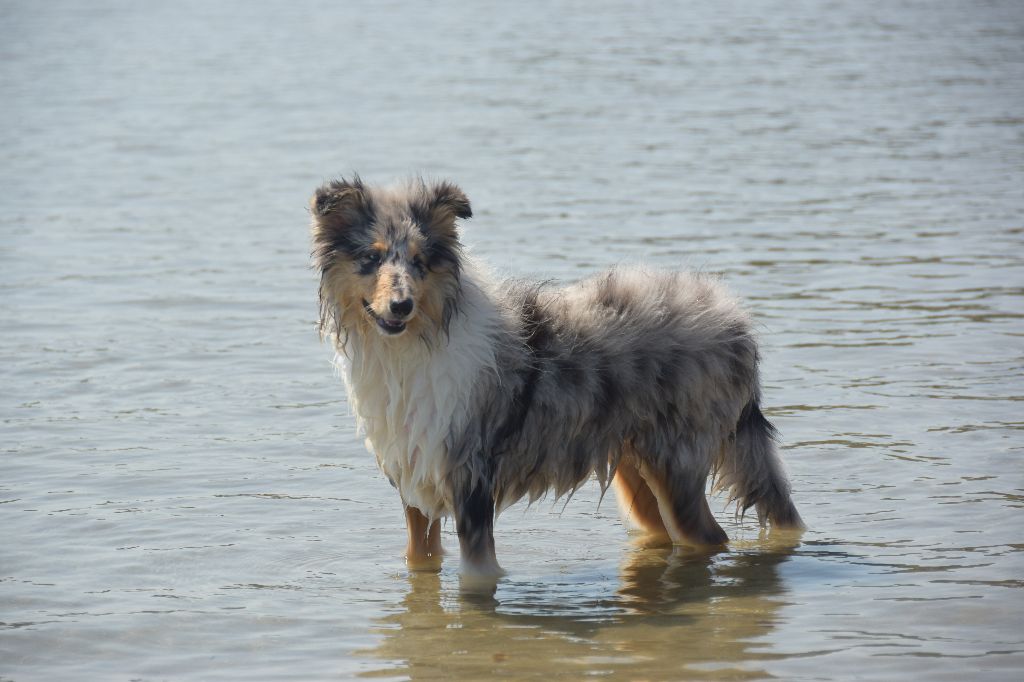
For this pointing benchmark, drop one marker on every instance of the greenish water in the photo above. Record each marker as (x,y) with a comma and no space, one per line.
(182,494)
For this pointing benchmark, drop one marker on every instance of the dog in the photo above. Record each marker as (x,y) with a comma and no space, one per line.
(474,393)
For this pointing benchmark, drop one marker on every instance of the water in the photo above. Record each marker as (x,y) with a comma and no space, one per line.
(182,495)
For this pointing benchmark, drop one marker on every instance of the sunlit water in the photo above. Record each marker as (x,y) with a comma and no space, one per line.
(182,494)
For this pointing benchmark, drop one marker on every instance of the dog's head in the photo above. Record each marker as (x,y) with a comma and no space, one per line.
(389,258)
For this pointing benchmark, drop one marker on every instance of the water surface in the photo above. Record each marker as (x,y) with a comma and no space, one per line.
(182,494)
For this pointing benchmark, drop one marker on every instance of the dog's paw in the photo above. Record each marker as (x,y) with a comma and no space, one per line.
(480,576)
(430,563)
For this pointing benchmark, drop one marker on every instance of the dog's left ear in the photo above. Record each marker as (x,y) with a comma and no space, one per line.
(444,203)
(450,197)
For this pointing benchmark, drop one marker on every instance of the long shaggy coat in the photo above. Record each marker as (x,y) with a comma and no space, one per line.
(474,393)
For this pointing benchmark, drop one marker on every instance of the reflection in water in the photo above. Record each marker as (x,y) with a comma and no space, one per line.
(675,614)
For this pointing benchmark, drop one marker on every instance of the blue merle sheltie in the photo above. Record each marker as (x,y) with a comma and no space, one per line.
(474,393)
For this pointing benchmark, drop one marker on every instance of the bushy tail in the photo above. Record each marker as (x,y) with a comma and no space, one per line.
(750,469)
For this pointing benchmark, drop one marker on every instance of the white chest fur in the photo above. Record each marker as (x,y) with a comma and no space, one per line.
(408,397)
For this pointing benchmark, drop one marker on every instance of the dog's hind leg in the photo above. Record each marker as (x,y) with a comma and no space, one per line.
(474,522)
(423,552)
(637,502)
(678,488)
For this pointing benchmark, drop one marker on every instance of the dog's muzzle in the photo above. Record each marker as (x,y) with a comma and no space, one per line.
(392,327)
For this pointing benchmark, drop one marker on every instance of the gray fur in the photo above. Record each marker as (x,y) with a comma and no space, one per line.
(662,362)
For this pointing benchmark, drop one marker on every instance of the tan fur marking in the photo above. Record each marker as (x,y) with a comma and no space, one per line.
(378,289)
(424,551)
(393,283)
(349,289)
(688,522)
(637,502)
(430,301)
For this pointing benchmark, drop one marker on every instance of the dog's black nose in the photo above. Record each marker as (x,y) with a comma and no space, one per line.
(402,308)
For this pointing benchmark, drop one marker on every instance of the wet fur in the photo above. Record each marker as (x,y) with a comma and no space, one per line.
(487,392)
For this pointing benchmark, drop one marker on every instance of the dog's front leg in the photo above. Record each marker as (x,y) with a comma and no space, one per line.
(474,522)
(423,553)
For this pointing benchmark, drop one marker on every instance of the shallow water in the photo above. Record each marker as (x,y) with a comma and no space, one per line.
(182,495)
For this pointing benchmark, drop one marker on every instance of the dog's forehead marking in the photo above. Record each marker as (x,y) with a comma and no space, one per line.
(398,238)
(398,216)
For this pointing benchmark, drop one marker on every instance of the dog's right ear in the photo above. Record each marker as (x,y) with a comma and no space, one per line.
(339,209)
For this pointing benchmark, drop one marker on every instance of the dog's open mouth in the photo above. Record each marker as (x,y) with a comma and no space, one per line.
(388,326)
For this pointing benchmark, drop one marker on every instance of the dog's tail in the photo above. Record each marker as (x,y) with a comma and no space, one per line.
(750,469)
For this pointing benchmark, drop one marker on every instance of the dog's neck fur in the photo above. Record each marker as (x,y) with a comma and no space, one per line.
(410,397)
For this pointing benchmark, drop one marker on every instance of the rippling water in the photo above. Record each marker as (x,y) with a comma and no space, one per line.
(182,495)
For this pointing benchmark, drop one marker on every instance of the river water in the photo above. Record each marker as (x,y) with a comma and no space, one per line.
(182,494)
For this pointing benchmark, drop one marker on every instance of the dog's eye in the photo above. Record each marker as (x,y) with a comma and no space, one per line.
(369,262)
(419,266)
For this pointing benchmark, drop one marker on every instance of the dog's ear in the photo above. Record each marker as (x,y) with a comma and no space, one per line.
(448,197)
(436,209)
(444,203)
(340,208)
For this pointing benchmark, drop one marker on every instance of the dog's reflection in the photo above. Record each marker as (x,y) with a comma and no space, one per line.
(673,609)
